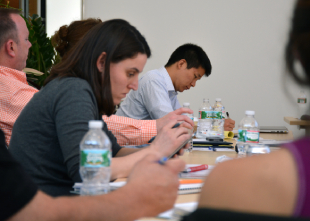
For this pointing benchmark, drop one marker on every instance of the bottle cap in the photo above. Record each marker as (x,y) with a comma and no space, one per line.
(218,99)
(249,112)
(95,124)
(186,104)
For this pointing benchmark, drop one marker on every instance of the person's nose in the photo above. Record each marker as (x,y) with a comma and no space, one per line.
(134,84)
(193,84)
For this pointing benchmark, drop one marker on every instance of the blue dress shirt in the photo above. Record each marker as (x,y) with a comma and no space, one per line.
(154,98)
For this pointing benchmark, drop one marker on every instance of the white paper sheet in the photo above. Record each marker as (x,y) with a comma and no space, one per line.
(179,210)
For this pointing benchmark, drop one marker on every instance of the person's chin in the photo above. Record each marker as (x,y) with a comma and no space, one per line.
(116,101)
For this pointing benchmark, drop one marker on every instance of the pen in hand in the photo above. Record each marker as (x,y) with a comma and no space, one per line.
(153,138)
(227,114)
(162,160)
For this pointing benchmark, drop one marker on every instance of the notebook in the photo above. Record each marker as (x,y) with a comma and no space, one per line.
(273,129)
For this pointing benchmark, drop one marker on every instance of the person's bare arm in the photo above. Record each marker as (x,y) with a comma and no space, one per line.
(265,184)
(165,143)
(151,189)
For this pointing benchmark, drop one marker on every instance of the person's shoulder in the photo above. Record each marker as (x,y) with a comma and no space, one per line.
(151,78)
(265,172)
(255,183)
(72,82)
(154,75)
(68,86)
(256,165)
(66,83)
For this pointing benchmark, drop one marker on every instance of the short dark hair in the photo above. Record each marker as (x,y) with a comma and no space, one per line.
(298,45)
(7,25)
(119,40)
(194,55)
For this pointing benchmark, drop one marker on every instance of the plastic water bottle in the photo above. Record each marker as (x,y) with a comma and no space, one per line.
(217,129)
(191,116)
(248,132)
(205,119)
(95,160)
(302,103)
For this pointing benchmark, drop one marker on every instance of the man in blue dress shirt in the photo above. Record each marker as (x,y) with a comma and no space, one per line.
(158,89)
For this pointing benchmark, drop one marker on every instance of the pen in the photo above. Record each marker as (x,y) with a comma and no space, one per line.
(227,114)
(163,160)
(176,125)
(197,168)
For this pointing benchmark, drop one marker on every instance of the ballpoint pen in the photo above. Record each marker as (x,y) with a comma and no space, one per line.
(162,160)
(227,114)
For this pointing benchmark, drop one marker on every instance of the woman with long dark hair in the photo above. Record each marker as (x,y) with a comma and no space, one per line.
(128,131)
(99,71)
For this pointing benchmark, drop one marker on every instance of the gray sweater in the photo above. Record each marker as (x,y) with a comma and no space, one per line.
(47,133)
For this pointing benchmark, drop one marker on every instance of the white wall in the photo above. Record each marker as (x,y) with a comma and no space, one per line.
(61,12)
(244,40)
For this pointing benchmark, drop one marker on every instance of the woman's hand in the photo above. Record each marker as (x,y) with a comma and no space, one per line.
(169,139)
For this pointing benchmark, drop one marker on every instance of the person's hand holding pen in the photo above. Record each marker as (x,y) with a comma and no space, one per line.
(176,115)
(155,182)
(229,124)
(172,137)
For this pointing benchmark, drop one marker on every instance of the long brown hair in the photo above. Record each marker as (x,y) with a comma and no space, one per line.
(119,40)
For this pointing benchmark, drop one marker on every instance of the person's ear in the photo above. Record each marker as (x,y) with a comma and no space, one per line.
(182,64)
(10,48)
(101,61)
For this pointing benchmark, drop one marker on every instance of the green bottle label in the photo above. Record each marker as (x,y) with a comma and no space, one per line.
(252,136)
(302,100)
(205,114)
(248,136)
(95,158)
(241,135)
(217,114)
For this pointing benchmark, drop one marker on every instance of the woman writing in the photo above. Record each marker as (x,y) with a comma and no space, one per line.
(99,71)
(128,131)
